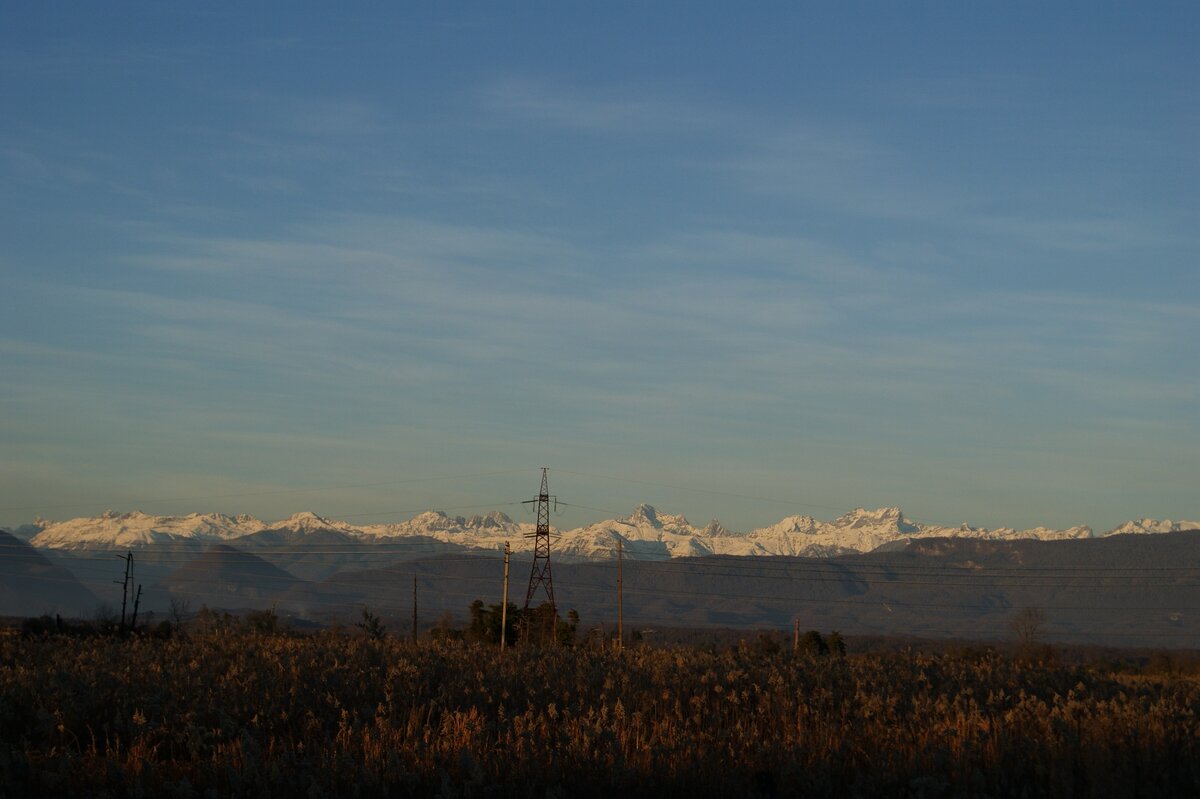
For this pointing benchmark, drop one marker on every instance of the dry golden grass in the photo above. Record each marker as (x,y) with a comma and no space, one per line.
(242,714)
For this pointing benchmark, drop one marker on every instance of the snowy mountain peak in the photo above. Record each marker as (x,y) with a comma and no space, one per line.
(715,529)
(137,529)
(645,516)
(492,520)
(308,522)
(795,524)
(891,519)
(1144,526)
(305,519)
(114,515)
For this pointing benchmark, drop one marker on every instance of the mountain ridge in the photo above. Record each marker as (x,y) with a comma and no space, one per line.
(647,533)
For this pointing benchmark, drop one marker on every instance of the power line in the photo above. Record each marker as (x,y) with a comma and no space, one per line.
(792,502)
(707,491)
(640,617)
(270,492)
(715,566)
(750,566)
(607,587)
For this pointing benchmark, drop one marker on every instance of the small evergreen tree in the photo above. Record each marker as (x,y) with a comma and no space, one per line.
(266,622)
(811,643)
(568,628)
(371,625)
(445,630)
(484,626)
(541,626)
(768,644)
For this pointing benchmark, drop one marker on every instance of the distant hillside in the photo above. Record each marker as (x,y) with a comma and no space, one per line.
(1123,590)
(24,532)
(320,553)
(1131,589)
(225,577)
(30,585)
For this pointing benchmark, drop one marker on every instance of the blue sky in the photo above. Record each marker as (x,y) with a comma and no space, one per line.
(734,262)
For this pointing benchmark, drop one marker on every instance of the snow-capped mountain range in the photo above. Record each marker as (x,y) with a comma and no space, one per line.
(645,534)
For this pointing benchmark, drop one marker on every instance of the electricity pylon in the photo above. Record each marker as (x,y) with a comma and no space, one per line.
(541,546)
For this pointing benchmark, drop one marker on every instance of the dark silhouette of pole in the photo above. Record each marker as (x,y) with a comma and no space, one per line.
(137,600)
(414,631)
(504,601)
(620,596)
(128,558)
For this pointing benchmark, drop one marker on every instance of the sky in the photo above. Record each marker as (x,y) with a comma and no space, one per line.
(735,262)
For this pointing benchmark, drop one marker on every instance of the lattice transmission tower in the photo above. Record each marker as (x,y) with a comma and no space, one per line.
(541,546)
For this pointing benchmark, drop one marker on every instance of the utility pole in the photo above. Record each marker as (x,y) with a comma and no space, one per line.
(137,600)
(128,558)
(796,636)
(540,574)
(504,601)
(620,596)
(414,633)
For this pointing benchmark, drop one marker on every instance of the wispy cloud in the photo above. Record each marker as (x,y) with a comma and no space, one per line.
(754,256)
(533,99)
(329,116)
(609,110)
(1094,234)
(381,274)
(25,165)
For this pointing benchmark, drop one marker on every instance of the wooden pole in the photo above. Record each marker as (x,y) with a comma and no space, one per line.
(504,601)
(796,637)
(128,558)
(137,600)
(414,631)
(620,596)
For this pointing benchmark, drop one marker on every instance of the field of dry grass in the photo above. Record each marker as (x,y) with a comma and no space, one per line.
(248,714)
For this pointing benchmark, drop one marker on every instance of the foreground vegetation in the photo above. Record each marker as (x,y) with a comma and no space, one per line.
(246,713)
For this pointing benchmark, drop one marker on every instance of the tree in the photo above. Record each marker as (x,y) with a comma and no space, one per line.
(263,621)
(477,627)
(811,643)
(207,618)
(566,629)
(543,626)
(1026,626)
(445,630)
(837,646)
(34,627)
(105,618)
(179,609)
(484,626)
(768,644)
(371,625)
